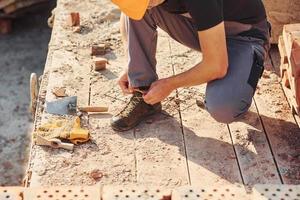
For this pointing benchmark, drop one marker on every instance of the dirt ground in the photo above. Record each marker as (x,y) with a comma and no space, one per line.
(22,52)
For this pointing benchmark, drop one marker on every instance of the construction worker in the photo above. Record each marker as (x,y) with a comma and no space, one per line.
(232,35)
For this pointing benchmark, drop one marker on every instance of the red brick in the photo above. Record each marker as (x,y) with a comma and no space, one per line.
(100,64)
(5,26)
(98,50)
(74,19)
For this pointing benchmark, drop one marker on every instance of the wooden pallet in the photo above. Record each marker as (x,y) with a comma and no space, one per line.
(183,145)
(289,46)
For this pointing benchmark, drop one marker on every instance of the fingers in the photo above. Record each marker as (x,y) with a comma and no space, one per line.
(124,87)
(150,98)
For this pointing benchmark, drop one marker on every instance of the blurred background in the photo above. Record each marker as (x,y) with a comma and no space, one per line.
(24,38)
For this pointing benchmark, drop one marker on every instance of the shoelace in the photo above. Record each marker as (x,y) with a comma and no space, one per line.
(130,105)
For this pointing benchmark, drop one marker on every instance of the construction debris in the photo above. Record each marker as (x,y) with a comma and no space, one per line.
(74,19)
(59,92)
(100,63)
(96,174)
(100,49)
(289,47)
(77,29)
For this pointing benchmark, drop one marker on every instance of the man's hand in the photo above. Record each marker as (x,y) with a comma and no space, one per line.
(158,91)
(124,83)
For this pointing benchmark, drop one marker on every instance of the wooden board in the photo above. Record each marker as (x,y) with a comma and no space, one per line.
(184,145)
(210,154)
(280,126)
(160,150)
(115,155)
(66,67)
(253,151)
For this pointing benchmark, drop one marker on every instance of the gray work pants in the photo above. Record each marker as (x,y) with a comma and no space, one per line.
(227,98)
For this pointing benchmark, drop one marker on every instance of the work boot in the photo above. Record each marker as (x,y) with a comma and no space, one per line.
(134,112)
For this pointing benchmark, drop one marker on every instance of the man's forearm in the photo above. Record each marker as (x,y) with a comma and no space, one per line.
(197,75)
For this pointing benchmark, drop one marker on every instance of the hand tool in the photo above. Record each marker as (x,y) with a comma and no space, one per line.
(54,143)
(68,105)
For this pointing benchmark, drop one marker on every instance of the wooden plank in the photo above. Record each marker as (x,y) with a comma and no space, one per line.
(253,151)
(210,154)
(78,167)
(93,14)
(65,68)
(280,126)
(115,155)
(275,57)
(160,150)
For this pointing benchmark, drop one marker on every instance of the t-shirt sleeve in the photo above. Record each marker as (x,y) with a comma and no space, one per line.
(205,13)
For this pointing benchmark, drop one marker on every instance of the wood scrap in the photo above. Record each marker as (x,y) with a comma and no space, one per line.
(59,92)
(93,109)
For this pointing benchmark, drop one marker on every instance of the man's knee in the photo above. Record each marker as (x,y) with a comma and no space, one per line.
(226,110)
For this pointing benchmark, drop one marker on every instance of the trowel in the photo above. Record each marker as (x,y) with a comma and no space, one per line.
(68,106)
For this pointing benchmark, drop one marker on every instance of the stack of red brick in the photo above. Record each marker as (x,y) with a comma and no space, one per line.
(289,47)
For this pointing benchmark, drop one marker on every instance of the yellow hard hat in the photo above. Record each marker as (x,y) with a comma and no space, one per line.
(134,9)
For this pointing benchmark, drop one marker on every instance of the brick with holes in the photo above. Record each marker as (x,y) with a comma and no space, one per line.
(63,192)
(135,193)
(232,192)
(268,191)
(11,193)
